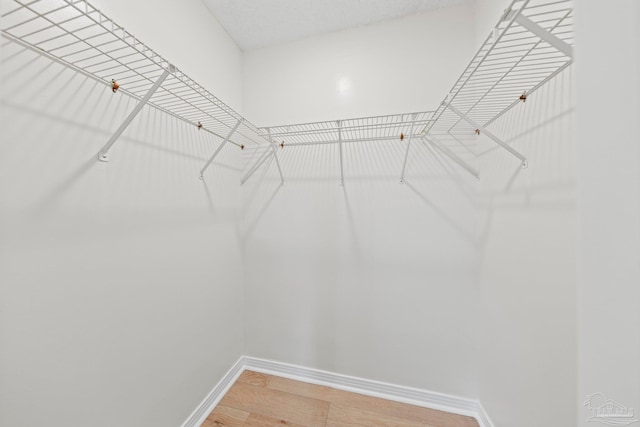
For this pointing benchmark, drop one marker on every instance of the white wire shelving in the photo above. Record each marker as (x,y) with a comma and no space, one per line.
(377,128)
(79,36)
(531,44)
(365,129)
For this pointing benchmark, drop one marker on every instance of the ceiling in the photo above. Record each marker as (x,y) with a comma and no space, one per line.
(260,23)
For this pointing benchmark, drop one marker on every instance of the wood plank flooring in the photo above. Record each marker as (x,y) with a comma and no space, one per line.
(259,400)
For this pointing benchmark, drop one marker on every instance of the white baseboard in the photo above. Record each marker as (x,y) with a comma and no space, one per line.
(203,410)
(483,417)
(383,390)
(413,396)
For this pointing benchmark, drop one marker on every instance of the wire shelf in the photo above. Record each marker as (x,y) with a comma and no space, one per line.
(377,128)
(531,44)
(79,36)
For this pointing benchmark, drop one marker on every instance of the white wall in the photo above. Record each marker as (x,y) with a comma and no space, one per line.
(399,66)
(186,33)
(528,343)
(120,283)
(528,336)
(376,279)
(608,129)
(486,15)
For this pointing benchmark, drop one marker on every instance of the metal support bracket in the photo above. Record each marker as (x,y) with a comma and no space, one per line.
(452,156)
(103,155)
(275,155)
(406,155)
(545,35)
(224,142)
(340,146)
(495,139)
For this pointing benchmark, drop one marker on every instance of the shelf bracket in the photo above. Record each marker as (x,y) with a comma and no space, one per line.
(523,159)
(406,153)
(340,146)
(103,155)
(224,142)
(275,155)
(545,35)
(452,156)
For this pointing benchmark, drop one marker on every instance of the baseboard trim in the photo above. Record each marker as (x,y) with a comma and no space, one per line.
(383,390)
(483,417)
(203,410)
(413,396)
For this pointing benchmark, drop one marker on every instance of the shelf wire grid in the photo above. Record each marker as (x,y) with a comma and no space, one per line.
(78,35)
(511,62)
(375,128)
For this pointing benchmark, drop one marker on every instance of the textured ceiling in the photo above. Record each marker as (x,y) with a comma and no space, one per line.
(260,23)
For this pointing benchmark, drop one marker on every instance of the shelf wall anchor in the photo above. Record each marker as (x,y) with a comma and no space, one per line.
(220,147)
(103,155)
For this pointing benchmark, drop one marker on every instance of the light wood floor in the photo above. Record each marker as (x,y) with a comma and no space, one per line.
(259,400)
